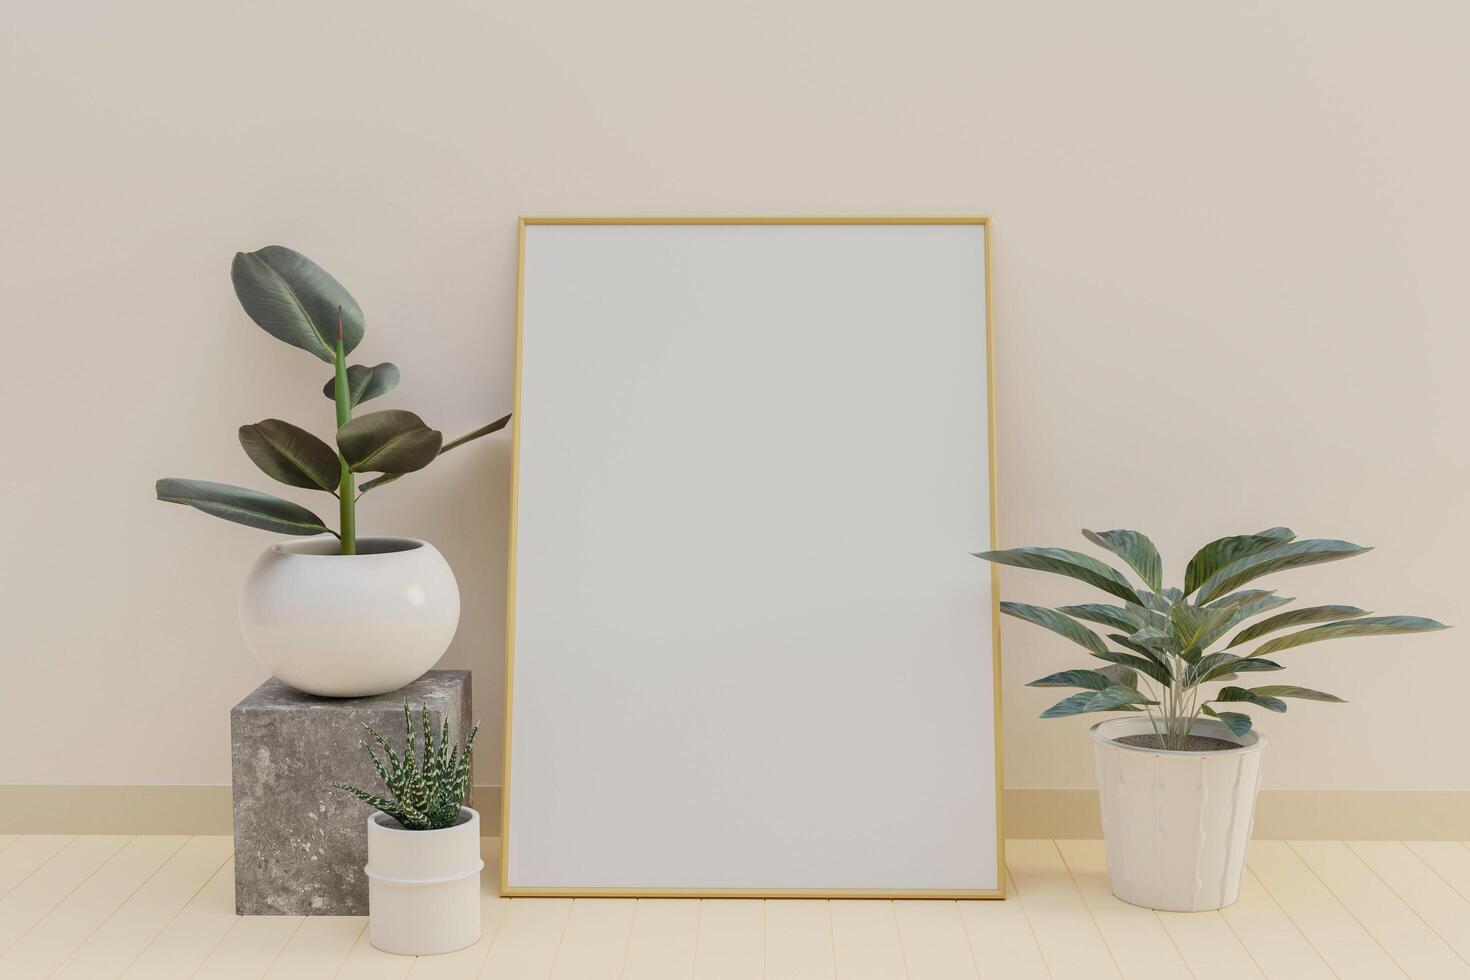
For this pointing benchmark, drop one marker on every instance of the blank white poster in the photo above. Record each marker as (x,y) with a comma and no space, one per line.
(750,650)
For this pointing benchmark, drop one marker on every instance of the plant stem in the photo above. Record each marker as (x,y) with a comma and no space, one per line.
(347,502)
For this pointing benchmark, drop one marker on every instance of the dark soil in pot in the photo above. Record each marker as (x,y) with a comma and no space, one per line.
(1194,743)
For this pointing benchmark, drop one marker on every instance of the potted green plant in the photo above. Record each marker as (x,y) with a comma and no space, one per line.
(1178,778)
(423,863)
(335,614)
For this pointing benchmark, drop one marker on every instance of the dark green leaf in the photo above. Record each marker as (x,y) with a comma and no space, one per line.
(364,383)
(1147,617)
(388,442)
(1093,680)
(1222,551)
(1153,656)
(1372,626)
(1057,623)
(291,455)
(1281,557)
(1157,603)
(1194,626)
(295,300)
(1144,665)
(1115,616)
(1250,697)
(1120,675)
(1073,564)
(1109,699)
(377,481)
(1243,605)
(1296,617)
(1217,665)
(1134,548)
(1292,691)
(1239,724)
(249,507)
(484,430)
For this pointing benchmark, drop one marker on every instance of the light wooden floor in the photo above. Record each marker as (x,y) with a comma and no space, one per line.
(160,907)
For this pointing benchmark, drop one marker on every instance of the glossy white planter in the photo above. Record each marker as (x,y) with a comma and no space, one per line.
(423,886)
(349,625)
(1176,824)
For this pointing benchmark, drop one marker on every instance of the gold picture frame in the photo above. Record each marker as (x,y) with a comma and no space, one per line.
(635,892)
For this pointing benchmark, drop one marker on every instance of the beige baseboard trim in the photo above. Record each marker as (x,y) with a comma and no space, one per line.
(1060,813)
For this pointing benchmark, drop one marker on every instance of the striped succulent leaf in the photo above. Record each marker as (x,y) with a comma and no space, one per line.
(424,795)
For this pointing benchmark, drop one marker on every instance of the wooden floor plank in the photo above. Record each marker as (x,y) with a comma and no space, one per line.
(464,964)
(661,945)
(26,854)
(525,947)
(1403,934)
(1443,909)
(45,888)
(128,931)
(51,940)
(7,839)
(1449,859)
(188,939)
(1001,939)
(1274,942)
(595,941)
(865,943)
(1348,949)
(318,948)
(731,942)
(1207,944)
(799,940)
(935,943)
(250,947)
(1139,943)
(1069,939)
(367,962)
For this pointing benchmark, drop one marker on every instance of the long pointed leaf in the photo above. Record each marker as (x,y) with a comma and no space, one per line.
(249,507)
(1096,612)
(1144,665)
(1372,626)
(1057,623)
(1134,548)
(1228,694)
(1292,691)
(290,454)
(1093,680)
(1073,564)
(1239,724)
(1222,551)
(1217,665)
(1296,617)
(295,300)
(1281,557)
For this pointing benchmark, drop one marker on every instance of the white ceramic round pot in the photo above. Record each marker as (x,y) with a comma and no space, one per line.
(349,625)
(1176,824)
(423,885)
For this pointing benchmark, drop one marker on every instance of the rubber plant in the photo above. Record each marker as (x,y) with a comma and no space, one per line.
(297,301)
(423,795)
(1160,658)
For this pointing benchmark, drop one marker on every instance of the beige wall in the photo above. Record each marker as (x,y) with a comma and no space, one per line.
(1230,261)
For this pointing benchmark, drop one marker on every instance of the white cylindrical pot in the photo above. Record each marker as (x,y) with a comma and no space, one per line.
(423,885)
(349,625)
(1176,824)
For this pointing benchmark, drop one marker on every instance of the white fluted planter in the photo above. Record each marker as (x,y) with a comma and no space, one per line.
(1176,824)
(423,886)
(349,626)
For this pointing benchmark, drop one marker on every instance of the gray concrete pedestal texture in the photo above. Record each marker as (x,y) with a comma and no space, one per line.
(300,844)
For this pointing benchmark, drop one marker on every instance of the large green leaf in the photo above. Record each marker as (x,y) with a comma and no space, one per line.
(1372,626)
(295,300)
(1195,626)
(364,383)
(1162,660)
(1217,665)
(1222,551)
(484,430)
(1266,701)
(1238,723)
(1096,612)
(1144,665)
(1294,554)
(1093,680)
(394,441)
(1073,564)
(1296,617)
(1134,548)
(1112,698)
(1057,623)
(1292,691)
(249,507)
(1243,606)
(290,454)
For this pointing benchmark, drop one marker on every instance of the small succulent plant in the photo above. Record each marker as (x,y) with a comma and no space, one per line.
(427,795)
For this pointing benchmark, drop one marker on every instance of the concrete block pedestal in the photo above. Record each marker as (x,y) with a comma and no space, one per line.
(300,844)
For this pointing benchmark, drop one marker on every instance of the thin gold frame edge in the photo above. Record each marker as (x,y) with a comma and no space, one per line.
(509,891)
